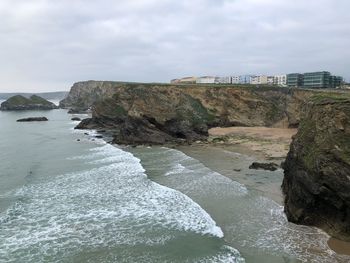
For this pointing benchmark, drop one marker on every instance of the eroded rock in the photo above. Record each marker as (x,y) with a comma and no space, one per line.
(316,181)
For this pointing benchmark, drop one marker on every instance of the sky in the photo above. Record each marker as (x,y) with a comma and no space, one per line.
(48,45)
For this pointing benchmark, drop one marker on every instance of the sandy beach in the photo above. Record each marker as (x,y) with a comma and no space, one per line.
(231,151)
(267,143)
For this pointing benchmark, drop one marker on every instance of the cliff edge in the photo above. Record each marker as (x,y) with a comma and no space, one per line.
(316,181)
(140,113)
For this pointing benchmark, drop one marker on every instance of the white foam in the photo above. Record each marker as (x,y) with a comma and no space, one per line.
(111,205)
(177,163)
(176,169)
(276,235)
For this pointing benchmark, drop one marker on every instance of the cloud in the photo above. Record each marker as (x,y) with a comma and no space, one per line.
(48,45)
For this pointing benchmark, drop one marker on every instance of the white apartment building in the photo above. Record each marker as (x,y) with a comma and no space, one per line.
(280,80)
(223,80)
(258,80)
(270,80)
(206,80)
(235,79)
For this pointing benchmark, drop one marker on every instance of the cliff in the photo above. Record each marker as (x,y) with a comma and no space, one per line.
(316,181)
(19,102)
(160,113)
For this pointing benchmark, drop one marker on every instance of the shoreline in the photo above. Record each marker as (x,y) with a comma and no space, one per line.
(250,143)
(255,144)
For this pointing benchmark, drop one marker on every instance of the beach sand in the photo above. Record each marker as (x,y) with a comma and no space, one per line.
(231,151)
(269,143)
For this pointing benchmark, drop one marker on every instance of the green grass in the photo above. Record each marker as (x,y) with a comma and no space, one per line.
(21,100)
(39,100)
(200,113)
(322,97)
(18,100)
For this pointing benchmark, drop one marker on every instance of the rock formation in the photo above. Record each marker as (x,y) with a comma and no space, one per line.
(317,170)
(316,181)
(161,113)
(264,166)
(19,102)
(30,119)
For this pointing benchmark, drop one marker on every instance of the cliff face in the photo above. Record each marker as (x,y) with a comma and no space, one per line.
(158,113)
(19,102)
(84,94)
(317,169)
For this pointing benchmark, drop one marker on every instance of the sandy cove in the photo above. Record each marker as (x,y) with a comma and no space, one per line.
(269,143)
(263,144)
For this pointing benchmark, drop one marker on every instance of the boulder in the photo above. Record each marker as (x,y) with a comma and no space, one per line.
(264,166)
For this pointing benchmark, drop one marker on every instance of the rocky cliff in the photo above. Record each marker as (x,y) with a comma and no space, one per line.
(160,113)
(316,181)
(19,102)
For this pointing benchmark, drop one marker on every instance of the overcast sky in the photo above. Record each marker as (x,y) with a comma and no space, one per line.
(48,45)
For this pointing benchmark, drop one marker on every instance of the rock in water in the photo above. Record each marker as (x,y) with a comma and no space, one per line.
(76,119)
(19,102)
(264,166)
(316,181)
(33,119)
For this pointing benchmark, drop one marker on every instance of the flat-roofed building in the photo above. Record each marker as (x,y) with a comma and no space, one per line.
(280,80)
(258,80)
(235,79)
(335,82)
(317,80)
(223,80)
(245,79)
(206,80)
(295,80)
(186,80)
(270,80)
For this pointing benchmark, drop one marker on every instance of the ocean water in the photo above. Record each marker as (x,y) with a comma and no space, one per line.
(68,197)
(63,200)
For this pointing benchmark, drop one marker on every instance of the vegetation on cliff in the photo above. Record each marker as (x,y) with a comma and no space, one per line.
(183,112)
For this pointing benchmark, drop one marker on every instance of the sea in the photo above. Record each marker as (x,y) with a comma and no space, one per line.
(67,196)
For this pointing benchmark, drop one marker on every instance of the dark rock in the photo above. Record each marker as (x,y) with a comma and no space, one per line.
(316,180)
(237,170)
(98,137)
(78,110)
(264,166)
(144,131)
(75,119)
(18,102)
(78,140)
(33,119)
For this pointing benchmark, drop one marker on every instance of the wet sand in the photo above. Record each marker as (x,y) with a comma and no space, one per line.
(270,143)
(254,144)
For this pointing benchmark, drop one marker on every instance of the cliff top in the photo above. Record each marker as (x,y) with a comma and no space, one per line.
(21,100)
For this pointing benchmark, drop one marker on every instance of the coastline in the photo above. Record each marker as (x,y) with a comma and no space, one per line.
(230,151)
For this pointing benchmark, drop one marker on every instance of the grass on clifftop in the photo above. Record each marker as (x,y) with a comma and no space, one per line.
(18,100)
(39,100)
(322,97)
(21,100)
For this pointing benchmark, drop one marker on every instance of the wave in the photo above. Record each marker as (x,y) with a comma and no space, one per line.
(108,206)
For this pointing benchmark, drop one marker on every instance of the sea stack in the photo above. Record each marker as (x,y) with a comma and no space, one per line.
(19,102)
(316,181)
